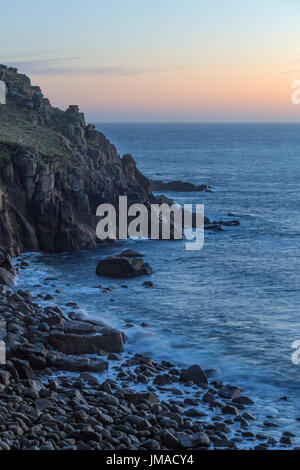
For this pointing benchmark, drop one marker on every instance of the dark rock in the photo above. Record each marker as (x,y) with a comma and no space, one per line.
(180,186)
(148,284)
(120,266)
(286,440)
(110,341)
(230,410)
(228,391)
(151,444)
(241,400)
(77,363)
(137,398)
(231,223)
(185,440)
(169,440)
(201,439)
(163,380)
(194,373)
(23,368)
(4,377)
(7,271)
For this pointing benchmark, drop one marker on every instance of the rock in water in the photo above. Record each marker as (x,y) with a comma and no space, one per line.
(194,373)
(180,186)
(83,338)
(120,266)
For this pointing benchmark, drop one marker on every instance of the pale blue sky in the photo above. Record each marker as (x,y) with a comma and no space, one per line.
(160,60)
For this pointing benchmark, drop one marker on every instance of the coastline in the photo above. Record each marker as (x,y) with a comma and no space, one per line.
(113,403)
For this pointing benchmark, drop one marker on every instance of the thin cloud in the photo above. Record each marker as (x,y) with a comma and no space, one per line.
(290,72)
(64,67)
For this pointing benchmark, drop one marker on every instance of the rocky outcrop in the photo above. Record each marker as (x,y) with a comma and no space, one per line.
(122,266)
(177,186)
(54,172)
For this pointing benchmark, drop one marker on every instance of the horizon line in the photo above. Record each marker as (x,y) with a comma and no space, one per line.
(196,122)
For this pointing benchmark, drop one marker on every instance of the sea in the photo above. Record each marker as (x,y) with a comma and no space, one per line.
(234,305)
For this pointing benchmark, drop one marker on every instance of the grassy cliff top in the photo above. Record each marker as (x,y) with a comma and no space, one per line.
(20,126)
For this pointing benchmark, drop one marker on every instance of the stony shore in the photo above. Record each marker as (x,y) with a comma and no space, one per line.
(68,384)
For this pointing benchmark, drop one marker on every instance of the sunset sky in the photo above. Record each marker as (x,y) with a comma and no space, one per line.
(159,60)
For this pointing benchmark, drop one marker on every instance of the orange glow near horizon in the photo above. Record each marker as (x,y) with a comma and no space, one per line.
(195,93)
(136,60)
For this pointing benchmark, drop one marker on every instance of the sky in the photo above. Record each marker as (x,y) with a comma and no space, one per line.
(159,60)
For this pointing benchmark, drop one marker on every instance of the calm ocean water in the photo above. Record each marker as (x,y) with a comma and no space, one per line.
(234,305)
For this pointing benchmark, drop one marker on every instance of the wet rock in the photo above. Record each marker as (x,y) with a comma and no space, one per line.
(230,410)
(148,284)
(108,340)
(7,271)
(4,377)
(242,400)
(201,439)
(48,297)
(224,443)
(151,444)
(162,380)
(194,413)
(249,416)
(114,357)
(120,266)
(229,391)
(136,398)
(90,378)
(208,398)
(286,440)
(23,368)
(185,440)
(77,364)
(194,373)
(180,186)
(270,424)
(169,440)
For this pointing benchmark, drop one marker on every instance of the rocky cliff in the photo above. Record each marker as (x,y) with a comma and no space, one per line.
(54,172)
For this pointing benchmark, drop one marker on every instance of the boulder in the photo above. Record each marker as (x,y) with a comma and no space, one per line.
(140,398)
(121,266)
(194,373)
(77,363)
(23,368)
(229,391)
(108,340)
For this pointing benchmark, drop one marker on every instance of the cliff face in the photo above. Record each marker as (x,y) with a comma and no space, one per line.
(54,172)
